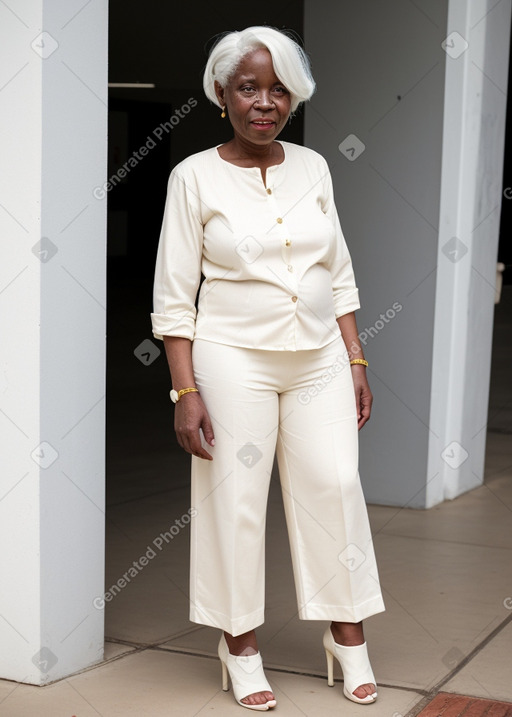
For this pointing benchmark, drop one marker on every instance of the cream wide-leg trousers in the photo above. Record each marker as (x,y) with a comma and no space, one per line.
(303,403)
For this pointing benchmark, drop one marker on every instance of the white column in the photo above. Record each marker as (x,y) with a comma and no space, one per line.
(477,50)
(53,127)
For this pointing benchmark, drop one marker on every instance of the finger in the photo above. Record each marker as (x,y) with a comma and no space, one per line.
(207,428)
(365,408)
(194,447)
(364,416)
(362,422)
(202,453)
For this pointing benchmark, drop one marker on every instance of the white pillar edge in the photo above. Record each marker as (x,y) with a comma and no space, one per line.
(461,367)
(53,137)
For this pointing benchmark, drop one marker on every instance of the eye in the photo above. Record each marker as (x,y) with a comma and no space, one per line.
(279,89)
(247,89)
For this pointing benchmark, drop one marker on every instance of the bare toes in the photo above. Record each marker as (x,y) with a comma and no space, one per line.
(258,698)
(364,691)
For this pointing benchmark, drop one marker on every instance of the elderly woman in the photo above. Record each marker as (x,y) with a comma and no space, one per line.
(270,359)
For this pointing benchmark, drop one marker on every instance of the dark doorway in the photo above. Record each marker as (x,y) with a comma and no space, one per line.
(505,245)
(155,43)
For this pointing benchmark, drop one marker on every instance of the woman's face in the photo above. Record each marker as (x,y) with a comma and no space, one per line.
(258,104)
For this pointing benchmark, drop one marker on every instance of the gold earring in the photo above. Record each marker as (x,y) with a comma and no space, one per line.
(223,113)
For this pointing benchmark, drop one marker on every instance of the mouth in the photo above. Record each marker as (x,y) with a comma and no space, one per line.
(263,124)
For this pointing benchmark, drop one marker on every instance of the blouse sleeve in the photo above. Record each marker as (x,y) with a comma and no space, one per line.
(178,262)
(345,292)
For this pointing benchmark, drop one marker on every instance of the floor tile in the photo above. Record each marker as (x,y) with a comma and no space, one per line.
(489,674)
(442,600)
(144,538)
(113,649)
(156,683)
(487,514)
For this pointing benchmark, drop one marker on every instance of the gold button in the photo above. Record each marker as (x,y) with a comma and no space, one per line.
(290,267)
(279,220)
(294,299)
(269,191)
(288,242)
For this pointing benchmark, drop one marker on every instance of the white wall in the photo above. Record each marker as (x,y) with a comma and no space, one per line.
(53,118)
(388,201)
(380,69)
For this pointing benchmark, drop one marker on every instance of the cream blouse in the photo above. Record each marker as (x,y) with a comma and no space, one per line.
(277,269)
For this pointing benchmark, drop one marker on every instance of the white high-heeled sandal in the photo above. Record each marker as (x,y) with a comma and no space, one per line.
(247,676)
(355,664)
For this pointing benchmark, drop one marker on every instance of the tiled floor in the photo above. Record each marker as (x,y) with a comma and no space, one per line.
(446,575)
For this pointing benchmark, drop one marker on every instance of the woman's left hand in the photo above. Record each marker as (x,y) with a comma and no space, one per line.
(364,398)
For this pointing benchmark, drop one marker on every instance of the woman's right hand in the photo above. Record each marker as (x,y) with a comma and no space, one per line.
(190,415)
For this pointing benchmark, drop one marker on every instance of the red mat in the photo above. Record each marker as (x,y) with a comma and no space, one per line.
(448,705)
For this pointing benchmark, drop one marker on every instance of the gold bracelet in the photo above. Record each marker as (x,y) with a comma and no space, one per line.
(182,391)
(359,361)
(176,395)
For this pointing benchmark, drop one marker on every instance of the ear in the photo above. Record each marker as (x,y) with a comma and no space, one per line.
(219,91)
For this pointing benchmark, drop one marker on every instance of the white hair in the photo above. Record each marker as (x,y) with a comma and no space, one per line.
(290,62)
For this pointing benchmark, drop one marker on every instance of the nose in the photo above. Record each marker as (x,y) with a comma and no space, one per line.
(264,100)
